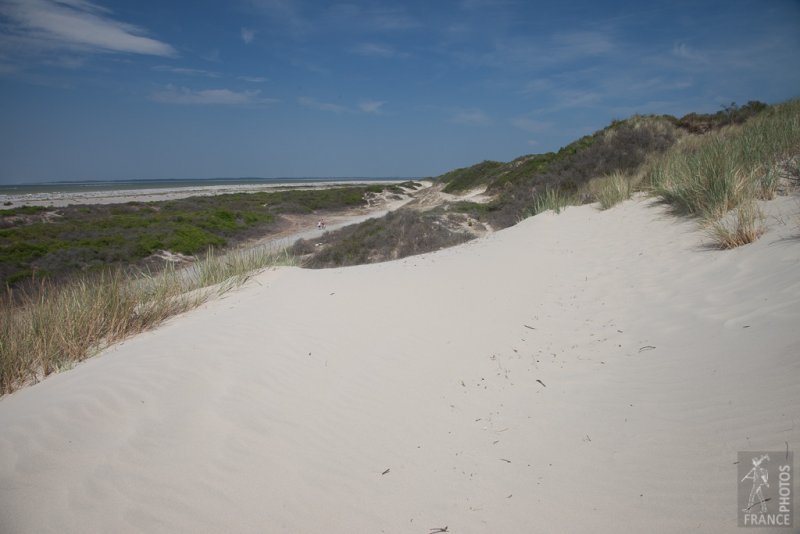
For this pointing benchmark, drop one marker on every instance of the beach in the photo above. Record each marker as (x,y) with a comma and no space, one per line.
(119,194)
(588,371)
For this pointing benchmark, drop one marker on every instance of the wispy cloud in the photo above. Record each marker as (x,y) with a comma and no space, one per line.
(78,25)
(472,116)
(186,71)
(532,52)
(377,50)
(580,44)
(684,51)
(222,97)
(213,56)
(371,106)
(253,79)
(313,103)
(248,35)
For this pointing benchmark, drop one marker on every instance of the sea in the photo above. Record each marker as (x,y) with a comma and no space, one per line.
(125,185)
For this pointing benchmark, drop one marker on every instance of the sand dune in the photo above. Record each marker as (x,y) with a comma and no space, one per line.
(583,372)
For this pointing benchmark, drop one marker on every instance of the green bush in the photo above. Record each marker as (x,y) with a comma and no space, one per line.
(90,236)
(398,234)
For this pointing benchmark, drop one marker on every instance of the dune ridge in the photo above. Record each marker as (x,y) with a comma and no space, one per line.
(588,371)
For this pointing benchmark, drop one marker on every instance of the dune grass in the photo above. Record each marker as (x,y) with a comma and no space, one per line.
(51,326)
(553,198)
(709,176)
(611,189)
(743,225)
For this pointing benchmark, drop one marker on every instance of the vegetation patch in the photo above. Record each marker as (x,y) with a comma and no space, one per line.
(533,183)
(743,225)
(611,189)
(552,198)
(398,234)
(50,326)
(47,242)
(710,175)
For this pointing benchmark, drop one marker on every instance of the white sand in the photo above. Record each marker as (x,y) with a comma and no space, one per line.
(277,408)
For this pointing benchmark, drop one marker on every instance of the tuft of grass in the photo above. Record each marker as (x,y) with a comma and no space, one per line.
(611,189)
(744,225)
(553,198)
(51,326)
(713,174)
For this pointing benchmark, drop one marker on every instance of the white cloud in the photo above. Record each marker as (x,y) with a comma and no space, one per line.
(371,106)
(471,116)
(79,25)
(253,79)
(223,97)
(248,35)
(313,103)
(186,71)
(684,51)
(377,50)
(214,56)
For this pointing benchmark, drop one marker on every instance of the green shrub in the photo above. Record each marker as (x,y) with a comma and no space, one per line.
(90,236)
(188,239)
(398,234)
(469,177)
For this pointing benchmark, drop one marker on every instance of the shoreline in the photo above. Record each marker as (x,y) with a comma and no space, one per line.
(58,199)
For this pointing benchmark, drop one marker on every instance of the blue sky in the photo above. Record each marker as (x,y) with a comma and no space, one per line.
(112,89)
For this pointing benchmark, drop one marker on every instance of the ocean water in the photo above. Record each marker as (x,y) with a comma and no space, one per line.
(92,186)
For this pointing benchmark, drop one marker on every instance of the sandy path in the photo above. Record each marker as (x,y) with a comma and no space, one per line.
(305,226)
(583,372)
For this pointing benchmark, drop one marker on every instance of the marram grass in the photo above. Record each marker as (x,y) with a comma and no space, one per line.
(613,188)
(51,326)
(743,225)
(711,175)
(553,198)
